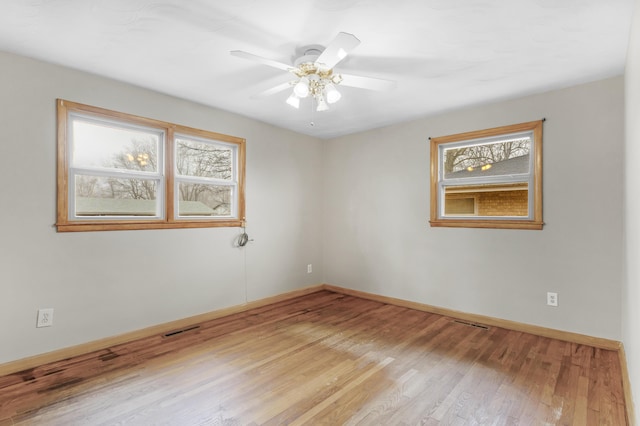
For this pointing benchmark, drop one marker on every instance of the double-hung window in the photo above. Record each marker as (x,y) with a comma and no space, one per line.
(489,178)
(117,171)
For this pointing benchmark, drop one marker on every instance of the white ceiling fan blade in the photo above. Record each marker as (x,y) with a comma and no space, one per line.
(261,60)
(337,50)
(369,83)
(272,91)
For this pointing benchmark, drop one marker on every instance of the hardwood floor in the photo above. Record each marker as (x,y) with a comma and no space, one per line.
(330,359)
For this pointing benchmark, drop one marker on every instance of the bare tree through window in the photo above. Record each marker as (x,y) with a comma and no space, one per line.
(473,156)
(141,155)
(200,159)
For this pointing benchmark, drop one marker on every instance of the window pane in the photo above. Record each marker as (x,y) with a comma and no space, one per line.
(103,145)
(107,196)
(197,199)
(196,158)
(508,200)
(490,159)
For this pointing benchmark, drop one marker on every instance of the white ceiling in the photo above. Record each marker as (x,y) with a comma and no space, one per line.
(444,54)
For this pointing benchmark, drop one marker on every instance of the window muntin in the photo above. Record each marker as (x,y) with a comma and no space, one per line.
(500,169)
(117,171)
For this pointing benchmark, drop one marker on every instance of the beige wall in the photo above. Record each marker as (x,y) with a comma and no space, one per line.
(631,287)
(377,237)
(107,283)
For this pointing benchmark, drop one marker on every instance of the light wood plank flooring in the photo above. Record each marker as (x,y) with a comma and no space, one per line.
(328,359)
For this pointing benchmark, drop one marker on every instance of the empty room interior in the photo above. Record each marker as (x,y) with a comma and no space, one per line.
(320,212)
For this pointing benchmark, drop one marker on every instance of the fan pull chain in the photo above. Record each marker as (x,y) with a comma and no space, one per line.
(312,123)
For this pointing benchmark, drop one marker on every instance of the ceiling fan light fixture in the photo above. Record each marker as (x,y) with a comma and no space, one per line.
(332,94)
(314,76)
(301,89)
(322,105)
(294,101)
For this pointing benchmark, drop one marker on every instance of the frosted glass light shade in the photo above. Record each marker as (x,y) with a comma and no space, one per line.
(301,89)
(322,105)
(333,95)
(294,101)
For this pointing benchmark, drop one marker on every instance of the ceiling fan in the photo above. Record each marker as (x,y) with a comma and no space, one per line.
(314,75)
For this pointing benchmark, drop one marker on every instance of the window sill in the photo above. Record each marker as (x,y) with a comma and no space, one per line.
(130,226)
(492,224)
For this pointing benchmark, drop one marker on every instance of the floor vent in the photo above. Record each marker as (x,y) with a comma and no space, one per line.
(472,324)
(173,333)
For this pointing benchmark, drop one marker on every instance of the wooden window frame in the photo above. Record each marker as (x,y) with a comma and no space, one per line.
(533,221)
(168,220)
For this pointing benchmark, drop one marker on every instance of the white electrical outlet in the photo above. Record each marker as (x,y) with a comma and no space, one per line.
(45,317)
(309,268)
(552,299)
